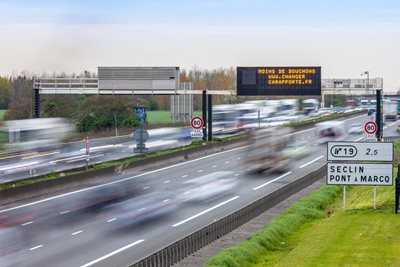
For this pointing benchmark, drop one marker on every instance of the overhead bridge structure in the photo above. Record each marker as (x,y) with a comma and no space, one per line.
(125,81)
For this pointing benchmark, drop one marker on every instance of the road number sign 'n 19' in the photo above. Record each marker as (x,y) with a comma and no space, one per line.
(359,174)
(360,151)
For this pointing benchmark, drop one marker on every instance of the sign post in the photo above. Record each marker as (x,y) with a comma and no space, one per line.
(87,152)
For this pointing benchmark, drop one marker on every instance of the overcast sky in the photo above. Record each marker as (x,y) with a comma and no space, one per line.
(344,37)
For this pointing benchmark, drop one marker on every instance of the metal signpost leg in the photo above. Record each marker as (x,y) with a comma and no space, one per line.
(209,117)
(378,115)
(344,198)
(204,114)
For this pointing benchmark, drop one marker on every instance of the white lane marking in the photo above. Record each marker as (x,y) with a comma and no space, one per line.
(165,200)
(215,166)
(41,155)
(122,180)
(237,174)
(205,211)
(146,187)
(184,176)
(384,127)
(308,163)
(96,148)
(227,162)
(392,124)
(36,247)
(64,212)
(167,181)
(359,139)
(83,158)
(200,171)
(113,253)
(273,180)
(142,209)
(111,220)
(27,223)
(19,165)
(70,158)
(77,232)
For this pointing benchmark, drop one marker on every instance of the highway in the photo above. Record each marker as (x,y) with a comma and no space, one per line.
(56,236)
(73,155)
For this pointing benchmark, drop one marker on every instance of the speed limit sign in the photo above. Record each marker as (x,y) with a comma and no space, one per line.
(370,127)
(197,123)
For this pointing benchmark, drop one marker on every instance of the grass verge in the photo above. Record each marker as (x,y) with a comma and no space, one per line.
(163,116)
(273,240)
(2,112)
(316,231)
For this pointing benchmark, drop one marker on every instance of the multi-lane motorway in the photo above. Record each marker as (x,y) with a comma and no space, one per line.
(104,238)
(73,155)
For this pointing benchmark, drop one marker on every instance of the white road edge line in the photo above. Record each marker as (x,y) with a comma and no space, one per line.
(359,139)
(122,180)
(273,180)
(111,220)
(77,232)
(308,163)
(113,253)
(205,211)
(36,247)
(392,124)
(27,223)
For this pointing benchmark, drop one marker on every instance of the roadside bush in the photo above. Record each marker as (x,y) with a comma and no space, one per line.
(273,237)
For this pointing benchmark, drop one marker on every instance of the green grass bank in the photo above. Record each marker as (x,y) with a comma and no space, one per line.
(316,231)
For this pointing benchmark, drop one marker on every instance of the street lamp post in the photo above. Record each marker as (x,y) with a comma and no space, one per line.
(335,82)
(334,85)
(366,73)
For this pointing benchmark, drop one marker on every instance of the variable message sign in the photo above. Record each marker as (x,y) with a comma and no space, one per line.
(279,81)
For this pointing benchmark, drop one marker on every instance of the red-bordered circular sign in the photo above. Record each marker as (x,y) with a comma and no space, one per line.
(197,123)
(370,127)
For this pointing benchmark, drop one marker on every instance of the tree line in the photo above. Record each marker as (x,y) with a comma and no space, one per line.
(97,112)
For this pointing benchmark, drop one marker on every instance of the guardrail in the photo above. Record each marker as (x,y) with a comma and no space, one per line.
(193,242)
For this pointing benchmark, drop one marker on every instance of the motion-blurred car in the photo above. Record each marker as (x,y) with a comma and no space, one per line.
(355,128)
(11,244)
(208,187)
(370,111)
(142,208)
(297,149)
(330,131)
(323,112)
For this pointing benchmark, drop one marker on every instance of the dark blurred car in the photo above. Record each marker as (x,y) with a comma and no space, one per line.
(142,208)
(370,111)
